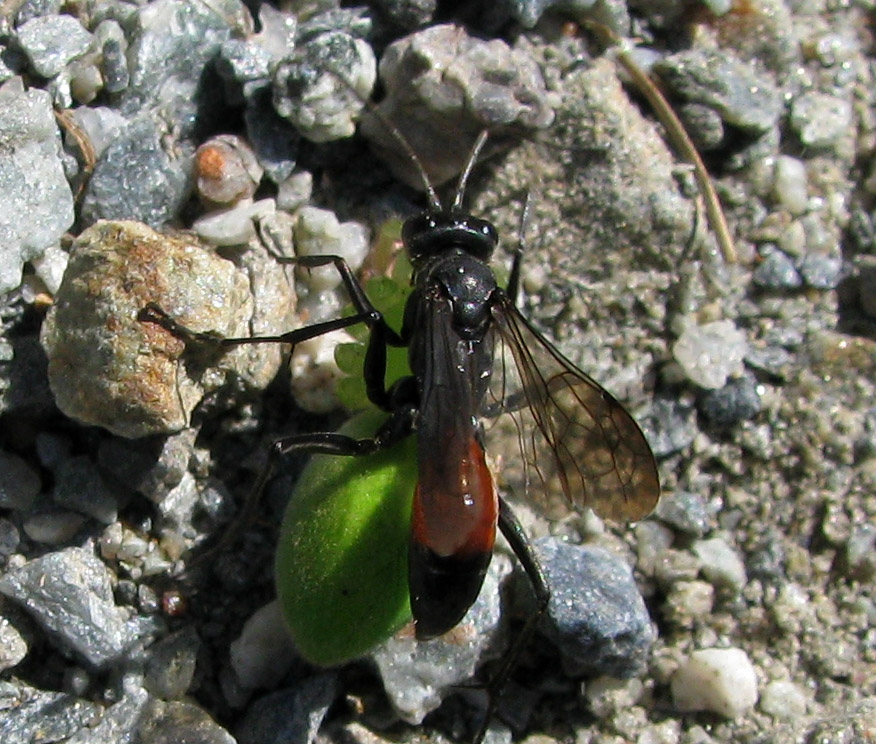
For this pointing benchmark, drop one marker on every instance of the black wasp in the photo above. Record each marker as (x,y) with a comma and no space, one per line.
(577,441)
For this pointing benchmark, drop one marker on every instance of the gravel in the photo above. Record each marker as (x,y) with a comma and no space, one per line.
(199,147)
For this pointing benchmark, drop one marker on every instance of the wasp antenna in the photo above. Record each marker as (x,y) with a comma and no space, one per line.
(472,159)
(395,133)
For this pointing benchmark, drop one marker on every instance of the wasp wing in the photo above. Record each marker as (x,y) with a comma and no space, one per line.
(580,446)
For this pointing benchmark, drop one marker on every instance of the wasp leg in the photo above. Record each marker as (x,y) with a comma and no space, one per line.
(519,542)
(399,425)
(153,313)
(381,334)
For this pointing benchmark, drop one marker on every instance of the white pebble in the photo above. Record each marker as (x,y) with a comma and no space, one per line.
(711,353)
(315,372)
(721,680)
(791,185)
(318,233)
(820,119)
(783,700)
(53,528)
(721,564)
(263,653)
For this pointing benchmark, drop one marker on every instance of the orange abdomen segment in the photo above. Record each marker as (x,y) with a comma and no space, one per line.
(453,529)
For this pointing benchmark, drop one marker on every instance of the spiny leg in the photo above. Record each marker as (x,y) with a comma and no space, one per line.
(397,427)
(519,542)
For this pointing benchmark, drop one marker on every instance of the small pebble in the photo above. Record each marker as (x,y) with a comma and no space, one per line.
(118,723)
(822,271)
(721,564)
(137,178)
(9,539)
(596,616)
(790,187)
(46,716)
(51,41)
(704,125)
(32,180)
(417,676)
(409,14)
(777,272)
(858,559)
(687,602)
(177,721)
(13,647)
(670,426)
(19,482)
(226,170)
(443,87)
(53,527)
(289,715)
(711,353)
(742,95)
(79,486)
(320,104)
(719,680)
(170,665)
(318,232)
(684,511)
(737,401)
(232,226)
(263,653)
(820,120)
(70,595)
(783,701)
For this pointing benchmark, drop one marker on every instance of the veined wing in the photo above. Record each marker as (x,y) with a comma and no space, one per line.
(580,446)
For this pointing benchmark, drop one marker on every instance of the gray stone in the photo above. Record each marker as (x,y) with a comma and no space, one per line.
(820,120)
(118,724)
(742,96)
(670,426)
(137,178)
(34,8)
(170,44)
(322,89)
(822,270)
(69,594)
(78,486)
(443,87)
(710,353)
(175,722)
(52,41)
(114,60)
(53,527)
(13,647)
(9,539)
(275,142)
(737,401)
(596,616)
(417,675)
(31,715)
(409,14)
(170,665)
(777,271)
(37,201)
(685,511)
(290,716)
(19,483)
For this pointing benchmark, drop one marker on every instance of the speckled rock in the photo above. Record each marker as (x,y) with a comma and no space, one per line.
(109,368)
(442,88)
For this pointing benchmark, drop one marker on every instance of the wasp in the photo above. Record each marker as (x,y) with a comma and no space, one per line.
(474,357)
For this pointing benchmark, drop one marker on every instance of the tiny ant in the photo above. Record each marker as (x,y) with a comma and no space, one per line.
(456,320)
